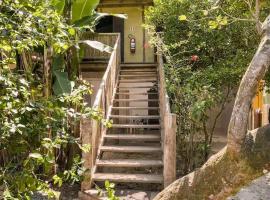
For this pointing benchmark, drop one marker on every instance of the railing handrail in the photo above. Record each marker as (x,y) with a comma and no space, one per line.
(105,76)
(168,127)
(107,34)
(163,84)
(92,131)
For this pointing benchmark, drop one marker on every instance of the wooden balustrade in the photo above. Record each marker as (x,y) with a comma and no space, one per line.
(168,128)
(105,38)
(92,131)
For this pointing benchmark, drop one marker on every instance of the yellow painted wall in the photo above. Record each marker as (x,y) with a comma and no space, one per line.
(133,26)
(149,50)
(258,99)
(257,112)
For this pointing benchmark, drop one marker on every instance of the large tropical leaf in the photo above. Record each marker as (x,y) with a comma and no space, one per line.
(93,18)
(88,21)
(58,5)
(98,45)
(58,62)
(62,84)
(82,8)
(101,15)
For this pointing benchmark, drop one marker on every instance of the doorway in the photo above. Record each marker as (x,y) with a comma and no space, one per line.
(111,24)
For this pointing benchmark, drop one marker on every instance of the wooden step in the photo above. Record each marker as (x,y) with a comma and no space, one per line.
(137,80)
(134,75)
(134,137)
(128,178)
(139,71)
(146,71)
(155,126)
(101,194)
(136,100)
(136,87)
(129,163)
(131,149)
(140,65)
(135,108)
(135,117)
(136,93)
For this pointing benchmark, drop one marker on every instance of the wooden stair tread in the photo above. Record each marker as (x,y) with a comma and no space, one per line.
(136,75)
(145,137)
(128,178)
(147,71)
(138,65)
(135,126)
(136,116)
(136,108)
(130,73)
(134,93)
(131,149)
(134,87)
(117,100)
(129,163)
(137,80)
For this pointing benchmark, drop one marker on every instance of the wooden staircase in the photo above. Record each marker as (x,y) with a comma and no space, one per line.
(138,151)
(143,139)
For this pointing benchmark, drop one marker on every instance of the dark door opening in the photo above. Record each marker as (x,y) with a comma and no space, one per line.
(111,24)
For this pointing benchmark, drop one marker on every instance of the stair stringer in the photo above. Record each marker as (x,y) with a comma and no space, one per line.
(93,170)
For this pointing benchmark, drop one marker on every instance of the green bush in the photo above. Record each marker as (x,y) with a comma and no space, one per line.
(207,46)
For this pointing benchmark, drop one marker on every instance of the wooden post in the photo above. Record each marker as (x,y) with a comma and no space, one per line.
(92,130)
(85,129)
(169,149)
(95,139)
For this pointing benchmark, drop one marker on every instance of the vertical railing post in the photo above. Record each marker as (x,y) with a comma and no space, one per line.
(169,149)
(92,130)
(95,138)
(168,129)
(86,136)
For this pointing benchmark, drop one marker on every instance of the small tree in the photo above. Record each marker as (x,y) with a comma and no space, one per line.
(246,154)
(205,44)
(39,103)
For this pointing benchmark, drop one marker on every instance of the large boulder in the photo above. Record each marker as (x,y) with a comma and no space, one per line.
(223,174)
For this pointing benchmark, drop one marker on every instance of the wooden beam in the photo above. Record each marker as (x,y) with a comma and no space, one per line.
(121,3)
(86,135)
(169,170)
(144,39)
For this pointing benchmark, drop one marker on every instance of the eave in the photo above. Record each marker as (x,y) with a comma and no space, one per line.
(124,3)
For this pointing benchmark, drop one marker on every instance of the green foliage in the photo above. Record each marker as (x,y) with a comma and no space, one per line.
(28,24)
(110,191)
(32,128)
(36,130)
(207,46)
(59,5)
(83,8)
(62,83)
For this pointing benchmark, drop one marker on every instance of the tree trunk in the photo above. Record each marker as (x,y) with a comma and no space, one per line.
(247,90)
(222,174)
(224,171)
(47,76)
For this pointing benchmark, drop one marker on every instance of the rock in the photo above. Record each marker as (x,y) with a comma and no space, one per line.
(259,189)
(138,196)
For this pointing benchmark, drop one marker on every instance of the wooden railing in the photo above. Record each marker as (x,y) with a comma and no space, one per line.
(92,131)
(168,128)
(105,38)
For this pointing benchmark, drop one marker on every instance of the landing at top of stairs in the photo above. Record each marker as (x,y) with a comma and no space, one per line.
(122,194)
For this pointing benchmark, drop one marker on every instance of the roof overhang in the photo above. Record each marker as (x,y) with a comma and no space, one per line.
(124,3)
